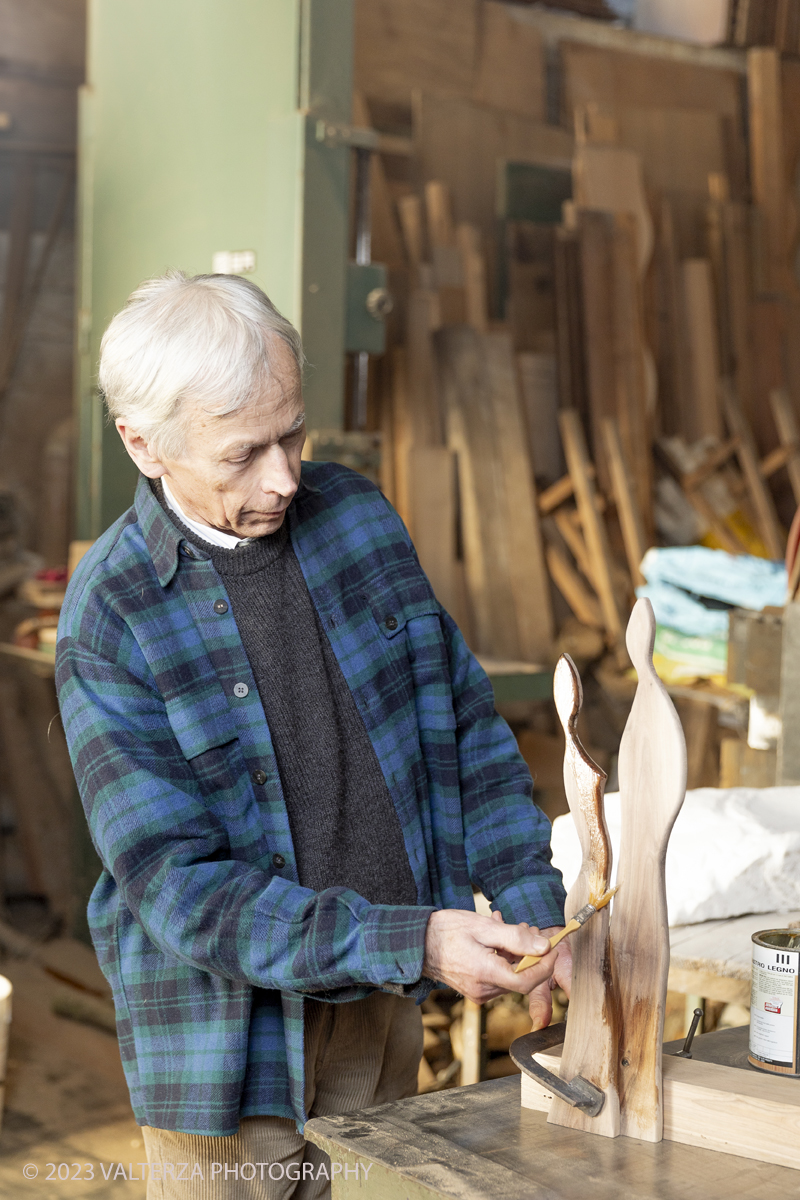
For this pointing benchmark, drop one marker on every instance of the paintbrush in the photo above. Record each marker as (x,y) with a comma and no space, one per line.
(580,918)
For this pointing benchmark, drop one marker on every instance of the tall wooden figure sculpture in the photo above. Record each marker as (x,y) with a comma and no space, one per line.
(652,785)
(588,1047)
(616,1015)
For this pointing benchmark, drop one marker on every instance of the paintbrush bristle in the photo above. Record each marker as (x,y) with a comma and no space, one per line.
(603,901)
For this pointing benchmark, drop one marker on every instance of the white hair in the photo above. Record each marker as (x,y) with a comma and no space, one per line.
(205,339)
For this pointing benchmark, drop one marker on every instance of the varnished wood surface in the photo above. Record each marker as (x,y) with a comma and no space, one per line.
(652,783)
(589,1048)
(477,1143)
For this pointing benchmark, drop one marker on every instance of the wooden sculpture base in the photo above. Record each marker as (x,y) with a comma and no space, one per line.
(716,1107)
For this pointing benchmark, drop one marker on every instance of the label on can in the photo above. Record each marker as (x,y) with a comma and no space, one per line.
(774,1009)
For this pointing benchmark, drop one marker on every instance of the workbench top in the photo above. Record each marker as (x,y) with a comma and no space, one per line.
(477,1143)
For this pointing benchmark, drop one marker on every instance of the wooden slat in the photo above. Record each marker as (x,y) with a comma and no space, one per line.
(528,575)
(432,510)
(701,341)
(596,232)
(572,588)
(426,415)
(771,190)
(673,372)
(439,213)
(569,322)
(473,265)
(593,527)
(760,496)
(471,435)
(556,494)
(409,211)
(539,392)
(633,534)
(568,524)
(634,403)
(789,434)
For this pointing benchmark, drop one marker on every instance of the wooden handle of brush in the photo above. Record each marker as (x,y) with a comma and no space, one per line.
(530,960)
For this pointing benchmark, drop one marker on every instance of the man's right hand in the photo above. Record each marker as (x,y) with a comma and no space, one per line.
(473,954)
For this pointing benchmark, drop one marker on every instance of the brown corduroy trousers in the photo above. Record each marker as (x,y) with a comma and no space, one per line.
(357,1055)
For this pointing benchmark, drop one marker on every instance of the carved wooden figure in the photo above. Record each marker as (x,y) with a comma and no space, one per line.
(589,1045)
(616,1014)
(652,784)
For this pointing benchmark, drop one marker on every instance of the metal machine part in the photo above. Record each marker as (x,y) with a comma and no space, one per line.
(578,1092)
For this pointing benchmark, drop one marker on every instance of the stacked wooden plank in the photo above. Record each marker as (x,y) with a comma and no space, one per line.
(581,370)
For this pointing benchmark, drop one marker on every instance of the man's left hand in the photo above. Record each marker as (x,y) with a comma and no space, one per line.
(540,1001)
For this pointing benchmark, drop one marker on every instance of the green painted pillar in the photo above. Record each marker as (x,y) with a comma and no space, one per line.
(208,126)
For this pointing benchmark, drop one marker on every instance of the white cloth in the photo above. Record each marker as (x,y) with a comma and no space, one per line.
(215,536)
(732,851)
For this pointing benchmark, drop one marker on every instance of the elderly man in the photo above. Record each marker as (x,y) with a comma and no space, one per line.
(290,762)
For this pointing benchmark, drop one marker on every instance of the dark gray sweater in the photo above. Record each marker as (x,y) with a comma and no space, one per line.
(345,830)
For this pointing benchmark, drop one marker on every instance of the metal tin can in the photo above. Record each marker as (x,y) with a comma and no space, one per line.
(774,1007)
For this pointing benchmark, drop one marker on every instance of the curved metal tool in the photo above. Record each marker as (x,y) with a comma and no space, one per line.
(579,1092)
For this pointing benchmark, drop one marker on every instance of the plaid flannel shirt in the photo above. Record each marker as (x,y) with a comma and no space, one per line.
(198,906)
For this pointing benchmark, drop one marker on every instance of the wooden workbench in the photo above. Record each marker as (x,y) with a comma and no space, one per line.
(713,959)
(476,1143)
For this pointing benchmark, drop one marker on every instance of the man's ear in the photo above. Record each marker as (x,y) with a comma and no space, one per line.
(139,451)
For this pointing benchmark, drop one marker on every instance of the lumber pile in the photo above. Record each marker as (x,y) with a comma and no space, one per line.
(595,346)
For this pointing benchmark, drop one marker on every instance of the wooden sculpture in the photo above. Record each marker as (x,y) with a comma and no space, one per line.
(588,1046)
(652,785)
(616,1013)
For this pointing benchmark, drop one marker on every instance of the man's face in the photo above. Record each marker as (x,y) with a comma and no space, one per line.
(238,473)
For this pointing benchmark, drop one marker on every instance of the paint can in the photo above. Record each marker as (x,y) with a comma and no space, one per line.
(774,1002)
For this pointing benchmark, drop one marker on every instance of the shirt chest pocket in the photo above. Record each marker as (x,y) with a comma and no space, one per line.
(206,732)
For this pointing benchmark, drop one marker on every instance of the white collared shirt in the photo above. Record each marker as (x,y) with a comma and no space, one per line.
(215,536)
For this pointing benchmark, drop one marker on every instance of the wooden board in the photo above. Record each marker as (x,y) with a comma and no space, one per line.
(511,72)
(610,179)
(633,534)
(530,587)
(593,528)
(635,371)
(539,391)
(760,495)
(405,44)
(583,604)
(589,1047)
(771,190)
(504,568)
(789,434)
(620,79)
(703,418)
(432,510)
(652,779)
(739,1112)
(462,143)
(596,238)
(531,285)
(678,147)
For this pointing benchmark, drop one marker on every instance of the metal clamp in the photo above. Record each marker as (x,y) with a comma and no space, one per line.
(579,1092)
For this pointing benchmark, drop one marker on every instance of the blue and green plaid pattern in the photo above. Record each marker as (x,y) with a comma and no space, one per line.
(191,914)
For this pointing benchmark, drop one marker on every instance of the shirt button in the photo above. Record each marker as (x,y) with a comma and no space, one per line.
(240,690)
(188,551)
(220,606)
(391,622)
(259,777)
(278,861)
